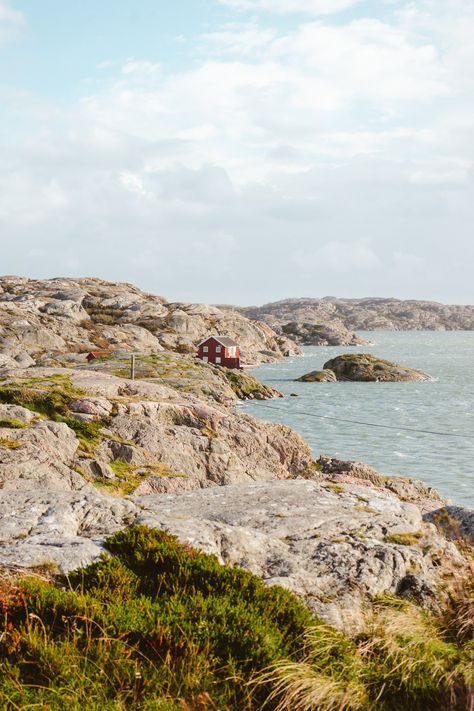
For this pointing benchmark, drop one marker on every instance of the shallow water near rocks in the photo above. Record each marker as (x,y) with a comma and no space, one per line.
(443,406)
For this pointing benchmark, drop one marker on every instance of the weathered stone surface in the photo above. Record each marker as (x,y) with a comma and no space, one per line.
(368,368)
(97,407)
(43,458)
(15,412)
(346,472)
(335,546)
(148,425)
(77,315)
(237,449)
(63,528)
(302,325)
(454,521)
(330,545)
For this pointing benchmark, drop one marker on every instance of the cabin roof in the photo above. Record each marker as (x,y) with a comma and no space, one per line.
(223,340)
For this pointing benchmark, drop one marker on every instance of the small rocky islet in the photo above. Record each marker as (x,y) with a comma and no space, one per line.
(86,452)
(363,367)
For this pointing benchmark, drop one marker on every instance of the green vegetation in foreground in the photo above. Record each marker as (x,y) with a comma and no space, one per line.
(162,626)
(404,539)
(154,624)
(10,443)
(50,397)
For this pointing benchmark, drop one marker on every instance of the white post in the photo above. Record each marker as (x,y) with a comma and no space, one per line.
(132,367)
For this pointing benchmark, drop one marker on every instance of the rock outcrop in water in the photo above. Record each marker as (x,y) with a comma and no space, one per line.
(363,367)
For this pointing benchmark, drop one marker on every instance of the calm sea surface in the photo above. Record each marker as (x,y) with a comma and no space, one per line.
(443,406)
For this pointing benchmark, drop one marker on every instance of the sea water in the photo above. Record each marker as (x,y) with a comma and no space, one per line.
(437,445)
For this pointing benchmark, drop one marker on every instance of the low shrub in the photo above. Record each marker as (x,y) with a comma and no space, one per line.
(155,623)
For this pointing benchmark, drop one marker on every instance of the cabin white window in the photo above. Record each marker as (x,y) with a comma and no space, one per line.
(205,349)
(231,352)
(218,349)
(218,361)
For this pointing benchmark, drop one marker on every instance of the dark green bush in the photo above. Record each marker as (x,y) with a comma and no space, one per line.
(187,624)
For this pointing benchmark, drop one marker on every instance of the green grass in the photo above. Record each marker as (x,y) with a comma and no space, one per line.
(129,476)
(404,539)
(336,488)
(10,443)
(404,659)
(12,424)
(50,397)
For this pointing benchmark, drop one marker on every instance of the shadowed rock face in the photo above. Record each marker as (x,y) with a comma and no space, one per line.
(77,315)
(369,368)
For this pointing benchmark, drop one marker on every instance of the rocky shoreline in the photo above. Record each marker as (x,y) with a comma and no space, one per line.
(85,452)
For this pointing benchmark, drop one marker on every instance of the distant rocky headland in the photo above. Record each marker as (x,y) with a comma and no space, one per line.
(332,321)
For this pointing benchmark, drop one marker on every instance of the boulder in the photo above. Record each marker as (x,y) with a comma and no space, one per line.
(318,376)
(369,368)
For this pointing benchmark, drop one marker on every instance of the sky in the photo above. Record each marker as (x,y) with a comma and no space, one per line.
(240,151)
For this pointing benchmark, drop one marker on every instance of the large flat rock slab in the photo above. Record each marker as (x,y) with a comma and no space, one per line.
(334,546)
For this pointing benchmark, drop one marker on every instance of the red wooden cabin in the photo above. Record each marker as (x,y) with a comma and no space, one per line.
(220,351)
(93,355)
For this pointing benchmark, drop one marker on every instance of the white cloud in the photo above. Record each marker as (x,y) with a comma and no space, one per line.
(12,22)
(242,39)
(442,172)
(334,157)
(338,257)
(141,69)
(310,7)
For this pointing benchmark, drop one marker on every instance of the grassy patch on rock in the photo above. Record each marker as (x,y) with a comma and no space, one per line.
(404,539)
(10,443)
(12,424)
(50,397)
